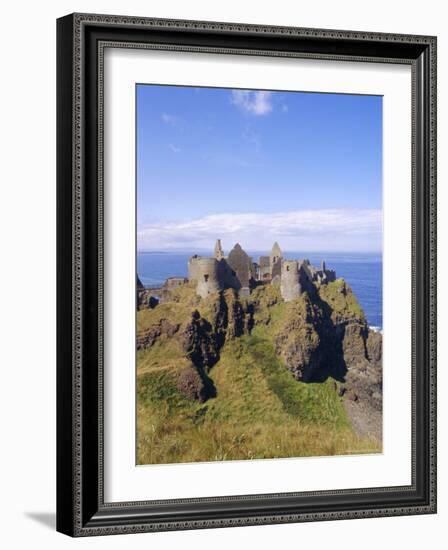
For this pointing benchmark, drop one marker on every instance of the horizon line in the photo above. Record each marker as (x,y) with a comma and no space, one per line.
(167,250)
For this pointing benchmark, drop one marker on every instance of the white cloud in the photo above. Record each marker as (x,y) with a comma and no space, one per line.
(173,148)
(170,119)
(257,103)
(308,230)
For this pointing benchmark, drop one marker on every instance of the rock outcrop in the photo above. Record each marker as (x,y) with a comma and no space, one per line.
(199,342)
(145,299)
(319,335)
(298,342)
(163,328)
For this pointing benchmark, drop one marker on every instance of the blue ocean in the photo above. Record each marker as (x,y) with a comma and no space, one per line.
(363,272)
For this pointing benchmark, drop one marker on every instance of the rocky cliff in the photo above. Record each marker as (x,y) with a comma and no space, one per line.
(322,335)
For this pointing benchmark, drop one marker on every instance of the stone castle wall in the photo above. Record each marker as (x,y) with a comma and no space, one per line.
(241,265)
(237,271)
(290,287)
(207,277)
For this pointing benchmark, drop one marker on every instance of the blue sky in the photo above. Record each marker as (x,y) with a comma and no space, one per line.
(256,166)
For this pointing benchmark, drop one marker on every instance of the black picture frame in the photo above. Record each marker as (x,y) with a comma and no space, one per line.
(81,510)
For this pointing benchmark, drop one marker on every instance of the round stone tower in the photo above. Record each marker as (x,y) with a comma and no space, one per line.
(290,287)
(192,268)
(207,276)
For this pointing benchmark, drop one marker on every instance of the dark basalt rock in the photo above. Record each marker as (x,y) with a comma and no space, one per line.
(220,315)
(374,344)
(194,384)
(307,341)
(145,300)
(298,344)
(237,320)
(364,376)
(199,342)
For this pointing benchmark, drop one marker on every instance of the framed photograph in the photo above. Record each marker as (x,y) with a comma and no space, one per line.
(246,274)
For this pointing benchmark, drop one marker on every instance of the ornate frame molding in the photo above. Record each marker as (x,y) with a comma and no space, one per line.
(81,42)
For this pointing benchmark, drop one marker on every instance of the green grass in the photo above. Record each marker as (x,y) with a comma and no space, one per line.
(260,410)
(341,300)
(183,302)
(255,385)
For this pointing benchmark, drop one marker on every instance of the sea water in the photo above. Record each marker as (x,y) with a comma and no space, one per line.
(363,272)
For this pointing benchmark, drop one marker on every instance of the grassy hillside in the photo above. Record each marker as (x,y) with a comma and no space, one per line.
(260,409)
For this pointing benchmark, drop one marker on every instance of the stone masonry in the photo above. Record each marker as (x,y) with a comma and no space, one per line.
(215,273)
(238,271)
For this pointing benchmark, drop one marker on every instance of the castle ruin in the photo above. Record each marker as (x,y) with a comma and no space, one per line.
(211,274)
(238,271)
